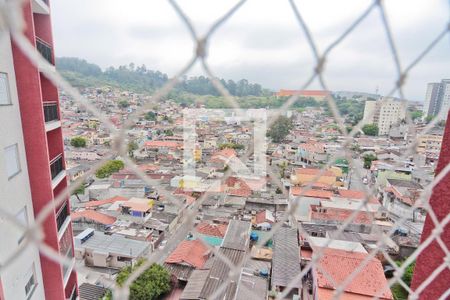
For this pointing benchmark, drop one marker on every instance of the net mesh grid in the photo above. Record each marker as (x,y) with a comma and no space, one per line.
(11,23)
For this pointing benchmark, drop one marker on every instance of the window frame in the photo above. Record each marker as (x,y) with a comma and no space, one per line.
(7,91)
(32,288)
(19,166)
(18,214)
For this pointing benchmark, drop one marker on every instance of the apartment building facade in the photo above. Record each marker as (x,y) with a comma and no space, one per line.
(385,113)
(34,152)
(437,99)
(23,278)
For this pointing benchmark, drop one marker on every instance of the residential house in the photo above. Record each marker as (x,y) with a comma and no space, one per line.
(187,256)
(115,251)
(400,196)
(335,266)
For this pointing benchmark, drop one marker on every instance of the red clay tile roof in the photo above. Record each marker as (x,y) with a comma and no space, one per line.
(340,215)
(296,191)
(193,253)
(237,187)
(104,201)
(313,147)
(352,194)
(315,172)
(162,144)
(339,264)
(223,155)
(263,216)
(94,216)
(217,230)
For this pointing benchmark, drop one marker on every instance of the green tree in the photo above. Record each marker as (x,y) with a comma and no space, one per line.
(428,119)
(231,146)
(151,284)
(168,132)
(370,129)
(150,116)
(78,142)
(280,129)
(368,158)
(109,168)
(132,146)
(398,291)
(417,114)
(123,103)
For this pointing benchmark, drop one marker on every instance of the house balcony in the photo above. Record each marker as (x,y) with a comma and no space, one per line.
(45,50)
(57,170)
(62,220)
(51,116)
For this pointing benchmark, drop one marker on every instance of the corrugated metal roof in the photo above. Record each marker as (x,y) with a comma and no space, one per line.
(195,285)
(181,272)
(250,286)
(115,244)
(89,291)
(237,235)
(286,256)
(219,273)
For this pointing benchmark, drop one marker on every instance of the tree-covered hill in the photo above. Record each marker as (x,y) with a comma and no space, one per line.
(139,79)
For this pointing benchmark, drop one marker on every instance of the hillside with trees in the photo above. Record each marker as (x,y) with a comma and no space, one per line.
(81,73)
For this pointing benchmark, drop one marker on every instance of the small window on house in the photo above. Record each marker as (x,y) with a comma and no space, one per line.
(31,283)
(12,161)
(22,218)
(4,89)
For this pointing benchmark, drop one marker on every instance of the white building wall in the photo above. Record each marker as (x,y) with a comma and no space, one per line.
(445,94)
(430,103)
(15,194)
(386,112)
(369,111)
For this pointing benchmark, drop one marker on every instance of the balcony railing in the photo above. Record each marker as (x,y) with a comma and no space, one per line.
(56,166)
(44,49)
(62,216)
(50,111)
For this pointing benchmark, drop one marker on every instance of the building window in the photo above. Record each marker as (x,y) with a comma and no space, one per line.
(12,161)
(4,89)
(22,218)
(31,283)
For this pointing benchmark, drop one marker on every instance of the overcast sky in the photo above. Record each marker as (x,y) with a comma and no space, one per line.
(262,42)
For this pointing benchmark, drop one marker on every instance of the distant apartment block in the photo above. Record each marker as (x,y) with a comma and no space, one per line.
(385,113)
(430,144)
(437,99)
(32,166)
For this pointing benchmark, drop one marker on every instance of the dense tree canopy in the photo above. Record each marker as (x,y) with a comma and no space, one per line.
(109,168)
(140,79)
(151,284)
(370,129)
(78,142)
(280,129)
(368,158)
(231,146)
(123,103)
(417,114)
